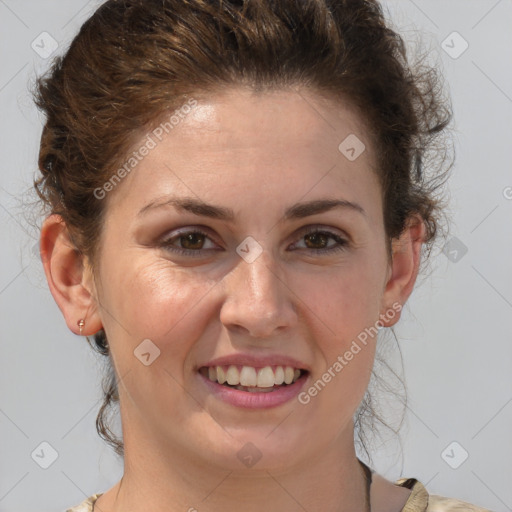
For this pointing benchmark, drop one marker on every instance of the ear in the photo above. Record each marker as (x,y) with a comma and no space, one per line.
(403,270)
(69,277)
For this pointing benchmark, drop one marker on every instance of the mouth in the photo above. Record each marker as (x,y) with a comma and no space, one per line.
(252,379)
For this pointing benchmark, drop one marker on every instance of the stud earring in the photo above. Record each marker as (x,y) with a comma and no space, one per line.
(81,324)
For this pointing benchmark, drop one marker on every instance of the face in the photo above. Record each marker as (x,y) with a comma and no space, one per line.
(258,278)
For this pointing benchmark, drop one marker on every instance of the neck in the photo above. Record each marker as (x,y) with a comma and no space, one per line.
(169,480)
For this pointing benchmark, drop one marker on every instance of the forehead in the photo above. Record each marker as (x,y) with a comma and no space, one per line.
(253,144)
(240,118)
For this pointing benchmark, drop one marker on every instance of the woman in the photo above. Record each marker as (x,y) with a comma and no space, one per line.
(238,204)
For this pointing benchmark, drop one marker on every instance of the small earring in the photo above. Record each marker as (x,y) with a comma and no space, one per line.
(81,324)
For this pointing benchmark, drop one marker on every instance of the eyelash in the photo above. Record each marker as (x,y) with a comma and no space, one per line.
(167,243)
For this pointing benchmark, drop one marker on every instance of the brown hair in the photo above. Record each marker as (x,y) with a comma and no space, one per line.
(135,59)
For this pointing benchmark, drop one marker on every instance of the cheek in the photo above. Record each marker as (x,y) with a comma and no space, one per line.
(154,301)
(344,300)
(344,308)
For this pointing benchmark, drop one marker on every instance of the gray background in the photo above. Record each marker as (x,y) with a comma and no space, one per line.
(455,334)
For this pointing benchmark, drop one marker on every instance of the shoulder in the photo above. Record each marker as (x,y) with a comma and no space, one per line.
(86,505)
(440,504)
(421,501)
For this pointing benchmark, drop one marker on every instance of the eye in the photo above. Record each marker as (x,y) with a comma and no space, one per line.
(317,240)
(192,243)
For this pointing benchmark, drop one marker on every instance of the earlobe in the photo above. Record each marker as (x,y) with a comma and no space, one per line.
(67,274)
(404,268)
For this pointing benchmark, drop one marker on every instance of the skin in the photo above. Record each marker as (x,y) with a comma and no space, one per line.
(257,154)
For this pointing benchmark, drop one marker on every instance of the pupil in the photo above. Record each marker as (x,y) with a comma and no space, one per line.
(317,238)
(190,238)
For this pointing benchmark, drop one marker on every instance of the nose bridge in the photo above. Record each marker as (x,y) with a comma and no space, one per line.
(257,297)
(262,279)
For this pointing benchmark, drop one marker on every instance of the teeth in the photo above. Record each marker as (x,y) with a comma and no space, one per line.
(256,390)
(266,377)
(248,376)
(288,375)
(221,376)
(232,376)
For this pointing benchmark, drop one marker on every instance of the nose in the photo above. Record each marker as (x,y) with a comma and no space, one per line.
(258,300)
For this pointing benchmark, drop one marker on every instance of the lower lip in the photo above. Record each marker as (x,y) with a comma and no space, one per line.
(255,400)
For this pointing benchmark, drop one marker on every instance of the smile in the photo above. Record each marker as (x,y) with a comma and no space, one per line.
(251,387)
(250,377)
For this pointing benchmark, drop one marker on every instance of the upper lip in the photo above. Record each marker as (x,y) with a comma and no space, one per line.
(256,361)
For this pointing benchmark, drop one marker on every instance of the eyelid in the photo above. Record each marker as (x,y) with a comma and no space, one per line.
(187,230)
(342,239)
(323,228)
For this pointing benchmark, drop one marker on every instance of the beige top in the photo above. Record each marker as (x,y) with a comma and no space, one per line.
(419,501)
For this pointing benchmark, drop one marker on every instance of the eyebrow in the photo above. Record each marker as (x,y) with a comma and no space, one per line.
(297,211)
